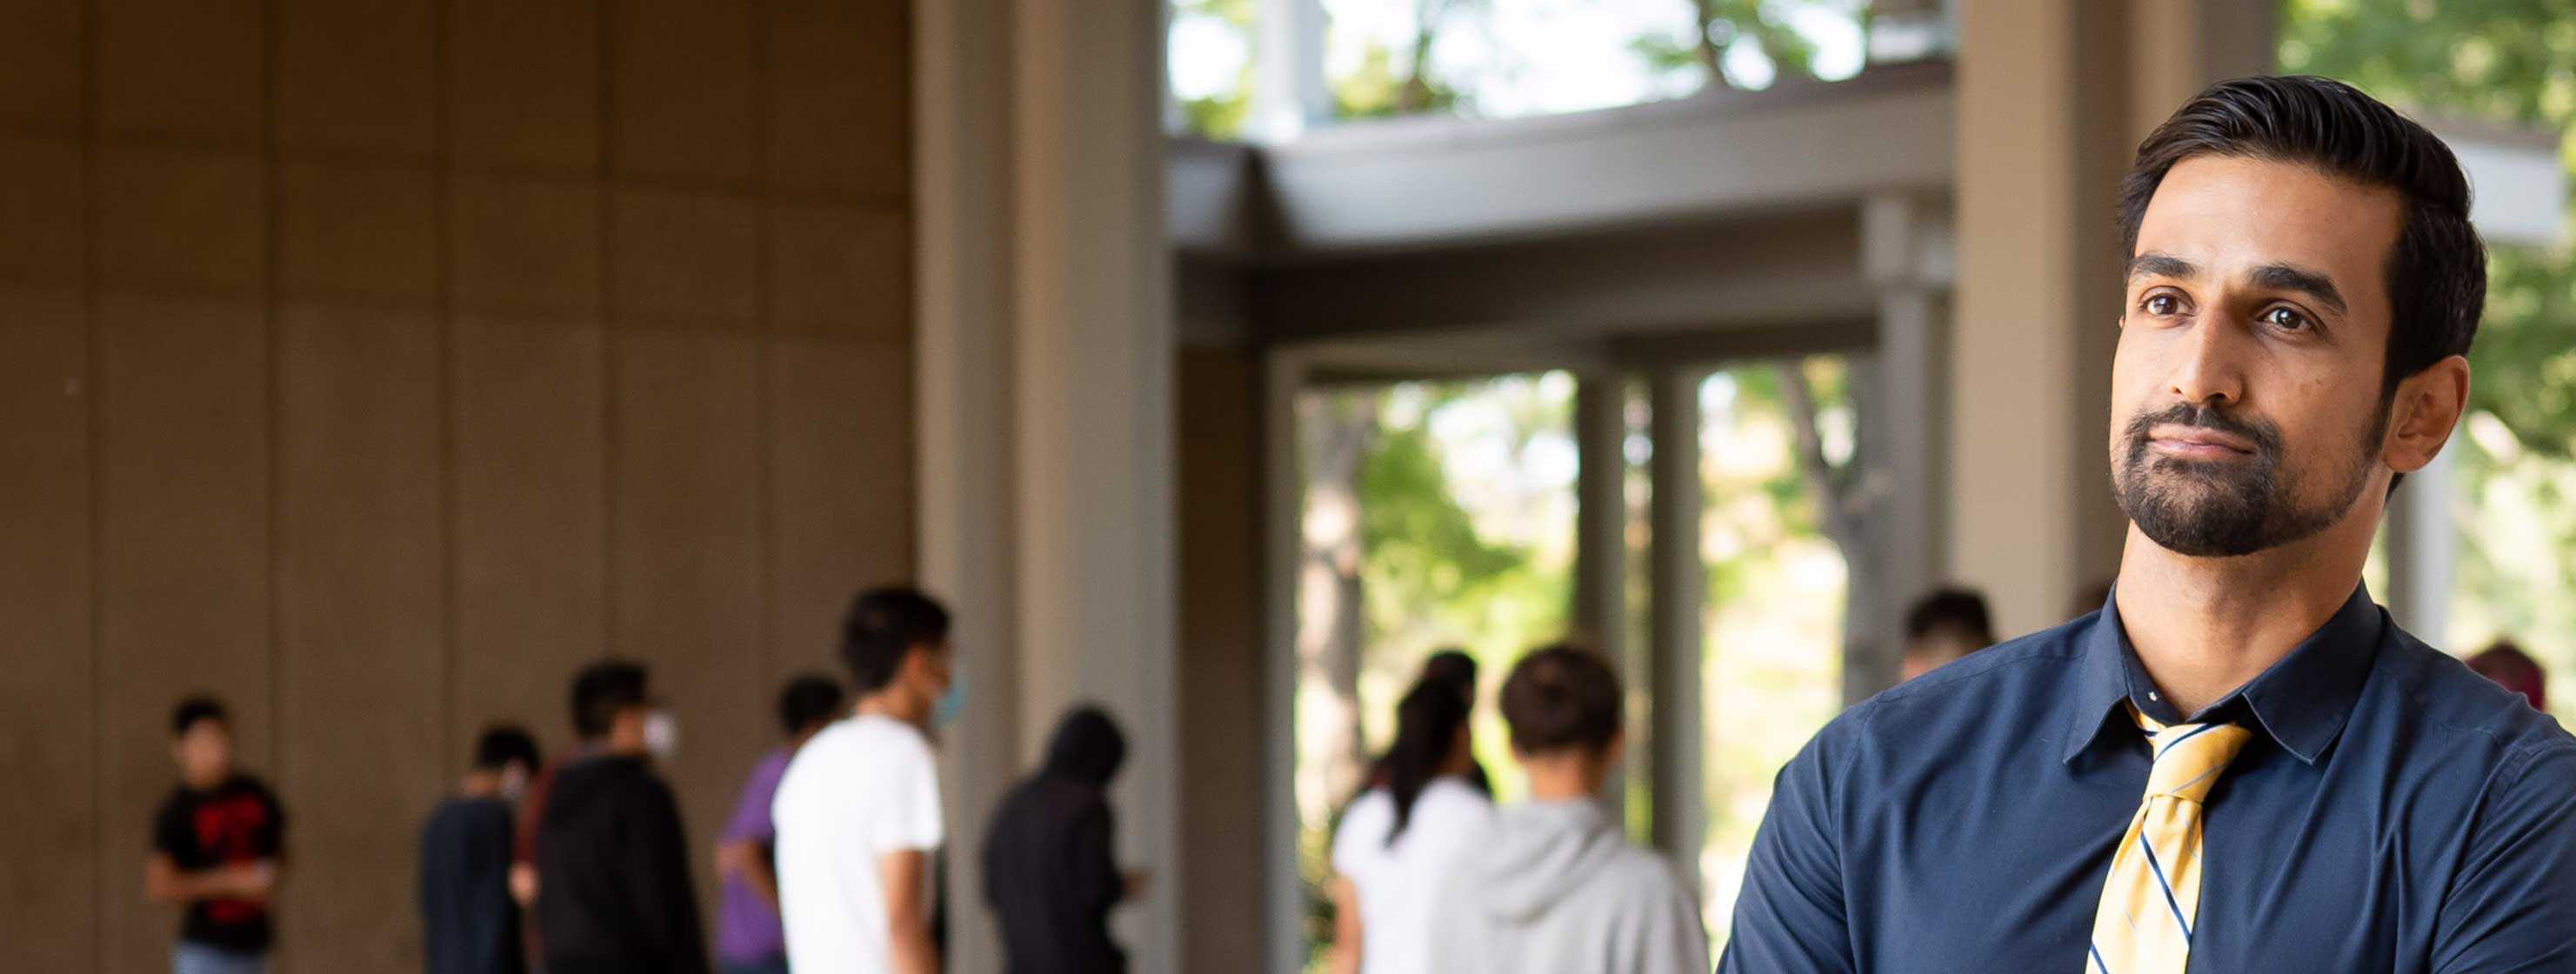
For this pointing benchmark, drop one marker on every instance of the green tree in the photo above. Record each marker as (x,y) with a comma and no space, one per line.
(1221,116)
(1396,82)
(1718,25)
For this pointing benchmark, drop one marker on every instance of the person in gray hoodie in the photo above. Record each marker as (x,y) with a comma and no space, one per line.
(1552,887)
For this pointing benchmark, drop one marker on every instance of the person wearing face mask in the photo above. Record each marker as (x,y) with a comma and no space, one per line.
(613,892)
(469,925)
(858,811)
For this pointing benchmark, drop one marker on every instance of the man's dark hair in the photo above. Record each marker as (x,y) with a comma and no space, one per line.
(1561,697)
(810,701)
(1958,610)
(503,744)
(2437,272)
(883,626)
(603,690)
(194,709)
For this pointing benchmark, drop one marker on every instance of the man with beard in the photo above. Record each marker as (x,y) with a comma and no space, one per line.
(2239,763)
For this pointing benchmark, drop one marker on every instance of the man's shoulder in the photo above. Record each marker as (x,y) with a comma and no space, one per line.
(858,742)
(2453,708)
(2003,683)
(855,756)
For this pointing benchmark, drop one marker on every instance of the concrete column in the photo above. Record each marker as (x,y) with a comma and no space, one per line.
(1283,552)
(1600,532)
(2423,547)
(1679,604)
(1046,364)
(1601,544)
(2050,94)
(2181,46)
(1905,256)
(962,187)
(1093,275)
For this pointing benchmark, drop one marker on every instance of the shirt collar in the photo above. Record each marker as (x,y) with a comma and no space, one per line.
(2301,701)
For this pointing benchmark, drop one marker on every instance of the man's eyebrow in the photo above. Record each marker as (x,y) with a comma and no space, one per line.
(2158,264)
(2285,277)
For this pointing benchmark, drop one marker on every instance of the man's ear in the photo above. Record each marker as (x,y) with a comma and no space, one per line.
(2426,410)
(916,663)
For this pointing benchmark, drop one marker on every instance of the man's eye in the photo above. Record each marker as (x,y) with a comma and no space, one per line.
(2284,318)
(2161,305)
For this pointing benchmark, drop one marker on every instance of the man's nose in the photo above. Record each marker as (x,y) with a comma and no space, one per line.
(2210,369)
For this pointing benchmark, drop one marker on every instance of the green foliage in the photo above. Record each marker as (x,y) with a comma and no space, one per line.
(1415,533)
(1430,575)
(1722,23)
(1222,116)
(1382,89)
(1392,82)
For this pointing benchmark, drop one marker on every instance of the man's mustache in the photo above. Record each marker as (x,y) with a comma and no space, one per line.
(2265,437)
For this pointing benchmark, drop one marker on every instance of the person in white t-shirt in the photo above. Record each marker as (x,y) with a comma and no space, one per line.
(1398,839)
(858,812)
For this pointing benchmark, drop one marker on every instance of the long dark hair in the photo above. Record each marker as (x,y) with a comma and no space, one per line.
(1426,733)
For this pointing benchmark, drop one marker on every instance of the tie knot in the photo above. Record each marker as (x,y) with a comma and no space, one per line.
(2189,757)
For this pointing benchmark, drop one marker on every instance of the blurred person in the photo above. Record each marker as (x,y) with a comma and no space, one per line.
(2515,670)
(1050,858)
(1397,842)
(218,844)
(469,923)
(858,811)
(1947,624)
(1551,886)
(2239,763)
(749,939)
(613,887)
(1454,669)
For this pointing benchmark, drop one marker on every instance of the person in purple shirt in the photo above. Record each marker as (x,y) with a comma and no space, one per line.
(749,939)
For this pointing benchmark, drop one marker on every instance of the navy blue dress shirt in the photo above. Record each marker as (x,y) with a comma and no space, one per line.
(2393,812)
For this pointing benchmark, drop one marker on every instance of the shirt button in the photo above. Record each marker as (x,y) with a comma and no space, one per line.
(2151,695)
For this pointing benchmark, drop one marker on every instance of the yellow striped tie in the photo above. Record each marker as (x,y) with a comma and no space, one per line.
(2151,901)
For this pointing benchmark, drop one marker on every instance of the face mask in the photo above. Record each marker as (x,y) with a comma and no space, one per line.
(952,704)
(662,735)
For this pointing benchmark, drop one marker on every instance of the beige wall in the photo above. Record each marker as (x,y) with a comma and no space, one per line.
(374,364)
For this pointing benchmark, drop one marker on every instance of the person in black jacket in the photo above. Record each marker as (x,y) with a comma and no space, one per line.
(613,887)
(1050,869)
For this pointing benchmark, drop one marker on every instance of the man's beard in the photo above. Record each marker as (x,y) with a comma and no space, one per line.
(2232,507)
